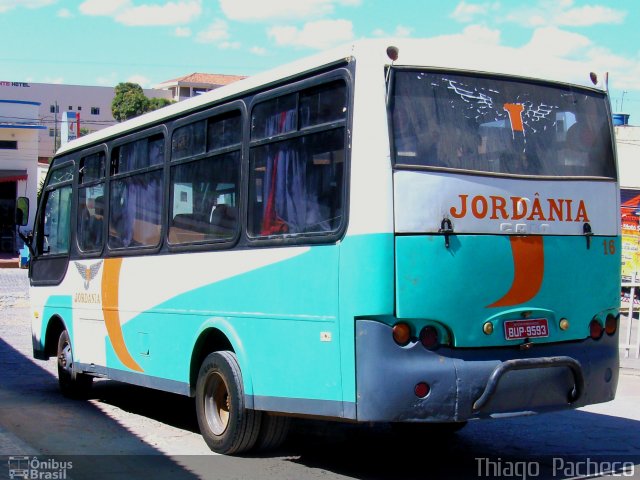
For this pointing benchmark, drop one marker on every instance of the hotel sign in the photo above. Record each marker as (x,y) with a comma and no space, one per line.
(14,84)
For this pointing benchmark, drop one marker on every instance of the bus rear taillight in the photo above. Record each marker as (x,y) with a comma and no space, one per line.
(422,389)
(401,333)
(595,329)
(611,324)
(429,337)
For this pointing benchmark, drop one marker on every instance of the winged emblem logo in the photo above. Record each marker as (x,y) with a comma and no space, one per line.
(88,272)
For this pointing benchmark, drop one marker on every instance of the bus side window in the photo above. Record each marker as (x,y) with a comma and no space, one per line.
(296,182)
(203,204)
(90,199)
(135,207)
(204,190)
(56,218)
(135,210)
(90,218)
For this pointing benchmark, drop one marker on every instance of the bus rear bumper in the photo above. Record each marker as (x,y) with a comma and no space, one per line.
(478,383)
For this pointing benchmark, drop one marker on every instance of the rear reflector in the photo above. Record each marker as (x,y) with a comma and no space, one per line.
(422,389)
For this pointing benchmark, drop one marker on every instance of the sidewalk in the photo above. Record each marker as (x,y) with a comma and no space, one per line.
(9,260)
(629,363)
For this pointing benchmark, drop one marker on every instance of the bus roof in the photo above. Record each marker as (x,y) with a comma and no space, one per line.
(460,55)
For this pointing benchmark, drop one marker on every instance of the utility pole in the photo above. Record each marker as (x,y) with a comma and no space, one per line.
(55,127)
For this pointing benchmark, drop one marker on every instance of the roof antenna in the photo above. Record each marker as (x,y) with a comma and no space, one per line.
(392,53)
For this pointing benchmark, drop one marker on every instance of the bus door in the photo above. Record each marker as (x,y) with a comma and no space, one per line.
(86,274)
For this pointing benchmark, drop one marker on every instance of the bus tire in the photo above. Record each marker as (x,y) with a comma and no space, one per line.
(273,432)
(226,425)
(72,384)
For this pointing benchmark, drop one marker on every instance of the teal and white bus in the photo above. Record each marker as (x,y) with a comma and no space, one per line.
(374,234)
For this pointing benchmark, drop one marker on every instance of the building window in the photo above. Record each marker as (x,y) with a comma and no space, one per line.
(79,108)
(8,145)
(95,110)
(54,109)
(52,132)
(70,107)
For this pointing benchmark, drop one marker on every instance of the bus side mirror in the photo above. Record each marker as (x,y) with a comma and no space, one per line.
(22,211)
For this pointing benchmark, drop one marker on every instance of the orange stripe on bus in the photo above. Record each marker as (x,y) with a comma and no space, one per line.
(528,263)
(110,309)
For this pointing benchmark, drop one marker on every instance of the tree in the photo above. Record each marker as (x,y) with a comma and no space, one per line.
(129,101)
(156,103)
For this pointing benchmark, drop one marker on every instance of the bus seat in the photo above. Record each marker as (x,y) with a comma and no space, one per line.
(224,219)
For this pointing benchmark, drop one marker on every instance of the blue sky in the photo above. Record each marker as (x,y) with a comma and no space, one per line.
(104,42)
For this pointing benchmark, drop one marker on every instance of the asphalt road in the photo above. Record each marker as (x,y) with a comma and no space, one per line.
(125,431)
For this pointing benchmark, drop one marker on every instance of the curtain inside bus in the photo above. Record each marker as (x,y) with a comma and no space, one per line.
(290,188)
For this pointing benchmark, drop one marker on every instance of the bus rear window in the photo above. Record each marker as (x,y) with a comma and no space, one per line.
(497,125)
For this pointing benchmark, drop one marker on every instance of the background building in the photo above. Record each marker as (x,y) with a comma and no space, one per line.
(31,123)
(19,170)
(195,84)
(93,104)
(628,149)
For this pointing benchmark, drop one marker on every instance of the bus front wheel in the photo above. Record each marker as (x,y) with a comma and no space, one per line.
(72,384)
(226,425)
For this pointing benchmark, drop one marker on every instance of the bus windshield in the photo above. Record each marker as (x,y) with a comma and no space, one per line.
(499,125)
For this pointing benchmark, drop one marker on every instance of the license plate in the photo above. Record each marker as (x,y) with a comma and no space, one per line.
(531,328)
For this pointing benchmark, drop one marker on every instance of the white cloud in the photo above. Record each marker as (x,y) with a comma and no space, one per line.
(6,5)
(125,12)
(217,32)
(100,7)
(550,52)
(229,45)
(64,13)
(589,15)
(400,31)
(260,51)
(251,10)
(563,13)
(182,32)
(558,42)
(54,80)
(141,80)
(107,81)
(467,12)
(171,13)
(313,34)
(482,35)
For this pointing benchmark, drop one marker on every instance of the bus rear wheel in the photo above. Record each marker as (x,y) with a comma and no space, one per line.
(273,432)
(226,425)
(72,384)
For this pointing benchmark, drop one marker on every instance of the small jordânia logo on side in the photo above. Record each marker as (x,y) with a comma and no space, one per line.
(88,272)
